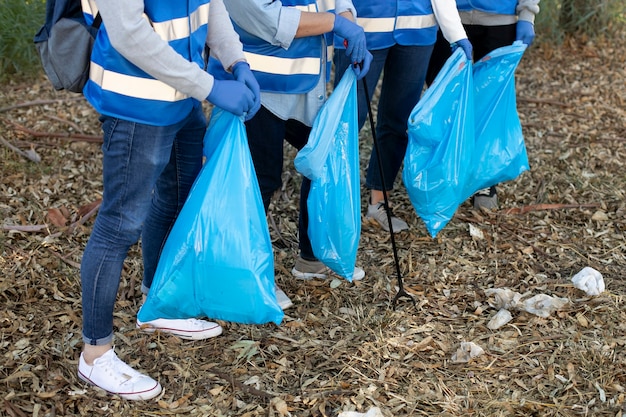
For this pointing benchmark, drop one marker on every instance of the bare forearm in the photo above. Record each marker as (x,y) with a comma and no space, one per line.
(313,24)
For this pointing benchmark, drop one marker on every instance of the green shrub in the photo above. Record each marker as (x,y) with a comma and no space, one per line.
(19,21)
(579,18)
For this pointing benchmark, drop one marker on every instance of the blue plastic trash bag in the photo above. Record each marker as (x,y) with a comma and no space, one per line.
(438,158)
(330,159)
(500,151)
(217,261)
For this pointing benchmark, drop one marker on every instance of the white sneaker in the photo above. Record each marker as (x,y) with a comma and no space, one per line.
(112,375)
(378,213)
(316,269)
(283,301)
(192,329)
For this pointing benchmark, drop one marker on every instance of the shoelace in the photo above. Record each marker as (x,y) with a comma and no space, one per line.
(381,205)
(116,368)
(198,324)
(484,192)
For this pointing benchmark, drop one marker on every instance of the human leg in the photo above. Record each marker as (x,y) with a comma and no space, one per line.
(171,190)
(307,265)
(265,133)
(134,155)
(485,39)
(403,82)
(342,62)
(441,53)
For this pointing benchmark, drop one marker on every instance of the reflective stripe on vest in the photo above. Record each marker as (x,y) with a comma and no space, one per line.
(118,88)
(388,24)
(128,85)
(395,22)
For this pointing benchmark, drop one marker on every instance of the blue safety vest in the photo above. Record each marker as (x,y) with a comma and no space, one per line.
(402,22)
(118,88)
(294,70)
(488,6)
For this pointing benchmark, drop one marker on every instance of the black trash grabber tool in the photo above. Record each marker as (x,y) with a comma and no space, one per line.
(401,291)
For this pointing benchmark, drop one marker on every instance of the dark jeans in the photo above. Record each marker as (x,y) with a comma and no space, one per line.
(266,133)
(404,71)
(484,39)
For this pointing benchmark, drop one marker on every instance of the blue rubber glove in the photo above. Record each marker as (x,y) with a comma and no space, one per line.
(360,70)
(242,72)
(465,45)
(355,35)
(233,96)
(525,32)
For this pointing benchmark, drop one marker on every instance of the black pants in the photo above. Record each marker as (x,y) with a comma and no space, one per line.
(484,39)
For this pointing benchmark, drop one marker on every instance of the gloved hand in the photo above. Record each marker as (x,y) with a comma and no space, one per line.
(361,69)
(233,96)
(355,35)
(465,45)
(525,32)
(242,72)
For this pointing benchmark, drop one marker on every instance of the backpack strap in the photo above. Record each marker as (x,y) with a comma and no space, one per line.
(97,21)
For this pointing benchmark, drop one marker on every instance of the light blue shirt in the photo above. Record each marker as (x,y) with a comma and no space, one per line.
(277,25)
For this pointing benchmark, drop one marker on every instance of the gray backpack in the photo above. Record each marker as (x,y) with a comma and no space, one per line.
(64,44)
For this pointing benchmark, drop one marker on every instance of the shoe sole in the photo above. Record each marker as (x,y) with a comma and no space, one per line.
(183,334)
(134,396)
(306,276)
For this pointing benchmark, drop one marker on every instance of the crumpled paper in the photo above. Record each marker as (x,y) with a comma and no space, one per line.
(543,305)
(504,299)
(467,351)
(502,317)
(589,280)
(372,412)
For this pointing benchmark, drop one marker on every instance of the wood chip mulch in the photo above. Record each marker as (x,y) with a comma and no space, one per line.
(343,347)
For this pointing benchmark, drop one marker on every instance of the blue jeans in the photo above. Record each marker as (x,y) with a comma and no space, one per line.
(404,70)
(147,174)
(266,133)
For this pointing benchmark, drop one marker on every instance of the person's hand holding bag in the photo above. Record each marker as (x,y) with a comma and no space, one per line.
(525,32)
(242,72)
(233,96)
(465,45)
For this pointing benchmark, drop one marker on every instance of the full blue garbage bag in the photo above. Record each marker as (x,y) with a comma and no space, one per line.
(330,159)
(438,159)
(217,261)
(500,151)
(464,135)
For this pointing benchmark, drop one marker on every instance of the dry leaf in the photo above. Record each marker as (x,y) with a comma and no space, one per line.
(56,217)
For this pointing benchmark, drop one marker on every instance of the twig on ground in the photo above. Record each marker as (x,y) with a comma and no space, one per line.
(92,209)
(31,154)
(61,120)
(64,259)
(27,228)
(63,135)
(39,103)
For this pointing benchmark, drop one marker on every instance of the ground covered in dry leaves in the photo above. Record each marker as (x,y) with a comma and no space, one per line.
(346,348)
